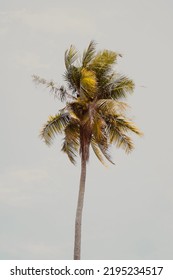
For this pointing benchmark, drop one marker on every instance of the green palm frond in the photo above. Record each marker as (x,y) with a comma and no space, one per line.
(88,54)
(71,55)
(120,87)
(120,139)
(103,61)
(55,125)
(72,76)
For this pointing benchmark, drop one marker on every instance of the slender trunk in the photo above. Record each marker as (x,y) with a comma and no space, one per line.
(78,221)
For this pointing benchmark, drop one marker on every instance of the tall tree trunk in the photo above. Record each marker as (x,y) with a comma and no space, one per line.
(78,221)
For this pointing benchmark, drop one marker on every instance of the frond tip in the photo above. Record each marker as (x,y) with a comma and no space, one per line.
(88,54)
(71,56)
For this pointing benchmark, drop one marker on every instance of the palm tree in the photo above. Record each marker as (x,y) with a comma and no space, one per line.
(94,113)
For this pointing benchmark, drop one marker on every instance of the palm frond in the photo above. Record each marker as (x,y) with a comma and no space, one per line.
(58,92)
(61,93)
(55,125)
(71,55)
(72,76)
(97,151)
(105,152)
(100,151)
(127,125)
(103,61)
(88,54)
(88,84)
(120,139)
(99,129)
(71,141)
(110,106)
(72,133)
(70,149)
(121,87)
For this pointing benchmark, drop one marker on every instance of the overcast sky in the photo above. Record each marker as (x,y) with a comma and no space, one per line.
(128,207)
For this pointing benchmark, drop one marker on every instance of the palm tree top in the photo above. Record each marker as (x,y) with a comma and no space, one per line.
(94,113)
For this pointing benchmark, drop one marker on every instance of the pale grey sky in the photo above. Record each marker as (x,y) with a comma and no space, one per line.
(128,207)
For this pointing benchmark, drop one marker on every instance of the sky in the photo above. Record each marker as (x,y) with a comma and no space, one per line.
(128,207)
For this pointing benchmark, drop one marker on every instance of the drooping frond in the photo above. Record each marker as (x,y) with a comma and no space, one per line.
(70,149)
(100,151)
(127,125)
(110,106)
(88,54)
(71,56)
(97,151)
(71,141)
(105,152)
(55,125)
(120,139)
(72,133)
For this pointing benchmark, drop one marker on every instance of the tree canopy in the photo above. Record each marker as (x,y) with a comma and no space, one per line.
(95,112)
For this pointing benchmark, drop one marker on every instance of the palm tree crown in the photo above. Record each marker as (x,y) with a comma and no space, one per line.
(94,114)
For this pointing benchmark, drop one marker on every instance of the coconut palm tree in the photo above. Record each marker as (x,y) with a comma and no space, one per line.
(93,115)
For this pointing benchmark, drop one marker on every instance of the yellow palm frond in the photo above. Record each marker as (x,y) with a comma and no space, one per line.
(98,129)
(88,84)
